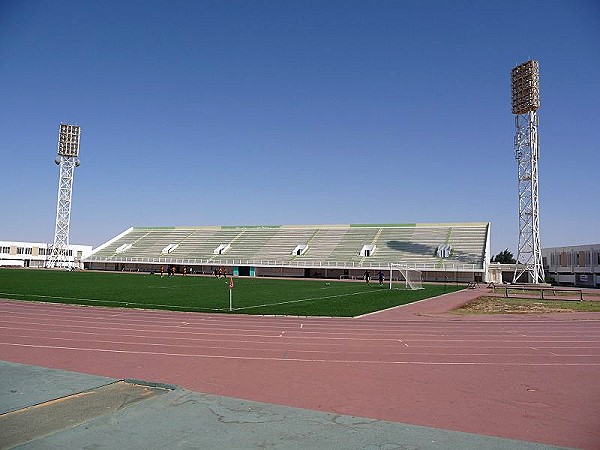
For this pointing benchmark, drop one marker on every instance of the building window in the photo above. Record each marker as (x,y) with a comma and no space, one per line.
(28,251)
(20,250)
(6,250)
(564,261)
(41,251)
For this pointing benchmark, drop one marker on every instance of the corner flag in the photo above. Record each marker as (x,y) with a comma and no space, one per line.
(230,292)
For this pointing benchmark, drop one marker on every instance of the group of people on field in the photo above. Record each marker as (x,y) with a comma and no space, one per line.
(380,275)
(220,272)
(172,269)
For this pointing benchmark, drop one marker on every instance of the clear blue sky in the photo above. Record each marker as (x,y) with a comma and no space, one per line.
(295,112)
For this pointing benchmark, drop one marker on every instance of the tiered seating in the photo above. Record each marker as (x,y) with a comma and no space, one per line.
(203,248)
(334,246)
(194,245)
(110,250)
(247,243)
(323,243)
(393,244)
(280,246)
(413,245)
(469,244)
(152,243)
(351,243)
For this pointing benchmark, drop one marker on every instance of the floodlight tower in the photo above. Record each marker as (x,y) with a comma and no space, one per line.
(525,89)
(67,160)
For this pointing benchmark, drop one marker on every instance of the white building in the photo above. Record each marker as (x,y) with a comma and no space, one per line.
(577,265)
(35,254)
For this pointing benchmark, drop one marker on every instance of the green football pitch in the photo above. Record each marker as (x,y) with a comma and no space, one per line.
(209,294)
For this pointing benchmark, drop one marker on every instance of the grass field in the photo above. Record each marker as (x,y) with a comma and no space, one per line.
(208,294)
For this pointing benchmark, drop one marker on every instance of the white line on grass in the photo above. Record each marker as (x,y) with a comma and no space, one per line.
(149,305)
(145,305)
(302,300)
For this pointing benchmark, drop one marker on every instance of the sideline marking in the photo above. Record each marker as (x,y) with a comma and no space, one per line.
(188,308)
(303,300)
(110,302)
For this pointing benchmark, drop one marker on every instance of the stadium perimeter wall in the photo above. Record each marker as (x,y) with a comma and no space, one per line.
(435,276)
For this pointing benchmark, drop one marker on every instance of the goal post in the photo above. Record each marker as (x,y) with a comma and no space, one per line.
(400,274)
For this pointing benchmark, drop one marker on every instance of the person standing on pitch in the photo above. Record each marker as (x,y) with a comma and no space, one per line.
(381,278)
(367,276)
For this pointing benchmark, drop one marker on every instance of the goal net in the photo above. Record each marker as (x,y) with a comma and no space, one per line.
(401,277)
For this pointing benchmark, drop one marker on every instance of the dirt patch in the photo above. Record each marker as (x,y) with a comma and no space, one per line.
(500,305)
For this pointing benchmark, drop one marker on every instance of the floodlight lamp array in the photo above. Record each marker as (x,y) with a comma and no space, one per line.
(68,140)
(525,87)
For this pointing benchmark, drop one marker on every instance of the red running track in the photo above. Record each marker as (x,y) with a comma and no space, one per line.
(534,378)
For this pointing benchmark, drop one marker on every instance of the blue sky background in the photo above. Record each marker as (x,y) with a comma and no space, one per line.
(295,112)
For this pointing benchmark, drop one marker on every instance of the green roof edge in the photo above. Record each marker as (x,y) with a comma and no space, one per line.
(382,225)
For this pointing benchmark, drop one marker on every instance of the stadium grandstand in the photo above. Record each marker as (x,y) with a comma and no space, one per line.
(440,251)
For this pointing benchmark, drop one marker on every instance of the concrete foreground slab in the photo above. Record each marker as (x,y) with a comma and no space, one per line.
(180,419)
(22,385)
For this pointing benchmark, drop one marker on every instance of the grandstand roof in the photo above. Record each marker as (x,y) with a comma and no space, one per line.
(414,244)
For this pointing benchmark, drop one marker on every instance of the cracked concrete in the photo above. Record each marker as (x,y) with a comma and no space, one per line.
(180,419)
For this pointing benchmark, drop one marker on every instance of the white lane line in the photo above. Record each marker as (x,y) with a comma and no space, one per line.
(177,332)
(271,349)
(179,341)
(317,324)
(324,332)
(327,361)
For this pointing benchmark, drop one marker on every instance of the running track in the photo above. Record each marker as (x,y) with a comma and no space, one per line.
(534,378)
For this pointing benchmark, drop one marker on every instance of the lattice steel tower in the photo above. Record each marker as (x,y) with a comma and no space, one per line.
(67,160)
(525,89)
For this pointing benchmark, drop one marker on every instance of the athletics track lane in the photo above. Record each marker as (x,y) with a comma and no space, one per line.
(532,378)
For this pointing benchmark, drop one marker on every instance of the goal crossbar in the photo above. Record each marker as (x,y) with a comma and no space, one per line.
(412,277)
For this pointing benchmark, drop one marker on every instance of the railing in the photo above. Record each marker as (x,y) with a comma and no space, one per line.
(545,293)
(295,263)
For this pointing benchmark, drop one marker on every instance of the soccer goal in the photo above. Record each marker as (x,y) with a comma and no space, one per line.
(401,277)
